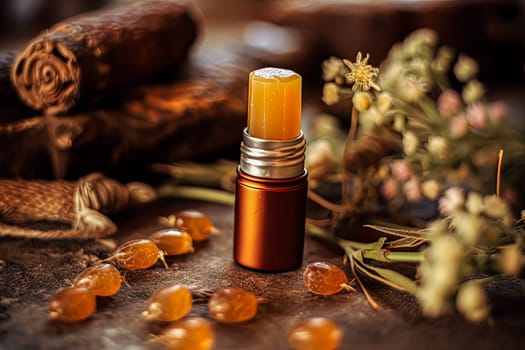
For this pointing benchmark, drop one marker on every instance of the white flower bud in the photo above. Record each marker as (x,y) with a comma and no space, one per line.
(453,199)
(412,88)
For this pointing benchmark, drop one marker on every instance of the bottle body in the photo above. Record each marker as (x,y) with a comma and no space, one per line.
(269,222)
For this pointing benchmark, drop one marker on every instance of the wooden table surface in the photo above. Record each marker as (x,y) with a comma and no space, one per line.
(32,270)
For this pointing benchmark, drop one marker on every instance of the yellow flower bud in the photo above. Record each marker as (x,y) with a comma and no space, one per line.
(399,123)
(371,118)
(330,94)
(384,102)
(496,208)
(362,100)
(410,143)
(472,302)
(468,226)
(447,249)
(466,68)
(438,146)
(474,203)
(431,189)
(511,261)
(434,302)
(332,68)
(443,59)
(473,92)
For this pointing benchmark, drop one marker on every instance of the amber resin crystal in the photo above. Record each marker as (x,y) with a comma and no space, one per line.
(324,278)
(169,304)
(103,279)
(232,305)
(173,241)
(138,254)
(72,304)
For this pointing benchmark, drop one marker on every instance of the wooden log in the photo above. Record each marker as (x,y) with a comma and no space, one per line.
(11,108)
(200,114)
(80,59)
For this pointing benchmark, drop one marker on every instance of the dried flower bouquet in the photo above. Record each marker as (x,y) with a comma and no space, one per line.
(423,150)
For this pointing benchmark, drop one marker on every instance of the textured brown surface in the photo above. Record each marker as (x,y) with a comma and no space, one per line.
(31,270)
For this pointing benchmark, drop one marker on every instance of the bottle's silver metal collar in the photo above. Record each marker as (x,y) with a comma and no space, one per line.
(272,159)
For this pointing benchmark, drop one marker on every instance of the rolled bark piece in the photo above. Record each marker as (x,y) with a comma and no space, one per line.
(78,60)
(200,114)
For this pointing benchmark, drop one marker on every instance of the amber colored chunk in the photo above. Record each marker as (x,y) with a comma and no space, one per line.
(137,254)
(232,305)
(103,279)
(168,304)
(316,333)
(72,304)
(173,241)
(196,223)
(194,333)
(324,278)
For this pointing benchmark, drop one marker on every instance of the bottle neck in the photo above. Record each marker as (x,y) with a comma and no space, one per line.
(272,159)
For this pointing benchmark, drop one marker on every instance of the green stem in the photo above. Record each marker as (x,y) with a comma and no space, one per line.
(197,193)
(384,255)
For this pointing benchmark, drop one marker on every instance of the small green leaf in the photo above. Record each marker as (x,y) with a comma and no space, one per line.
(402,282)
(407,242)
(405,232)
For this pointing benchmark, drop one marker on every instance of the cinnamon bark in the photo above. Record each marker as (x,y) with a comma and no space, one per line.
(200,114)
(80,59)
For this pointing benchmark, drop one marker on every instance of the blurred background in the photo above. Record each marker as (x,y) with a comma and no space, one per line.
(492,31)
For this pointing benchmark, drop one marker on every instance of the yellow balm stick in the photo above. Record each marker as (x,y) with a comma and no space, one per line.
(274,104)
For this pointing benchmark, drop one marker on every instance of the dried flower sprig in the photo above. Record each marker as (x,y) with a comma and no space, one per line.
(447,151)
(361,75)
(446,137)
